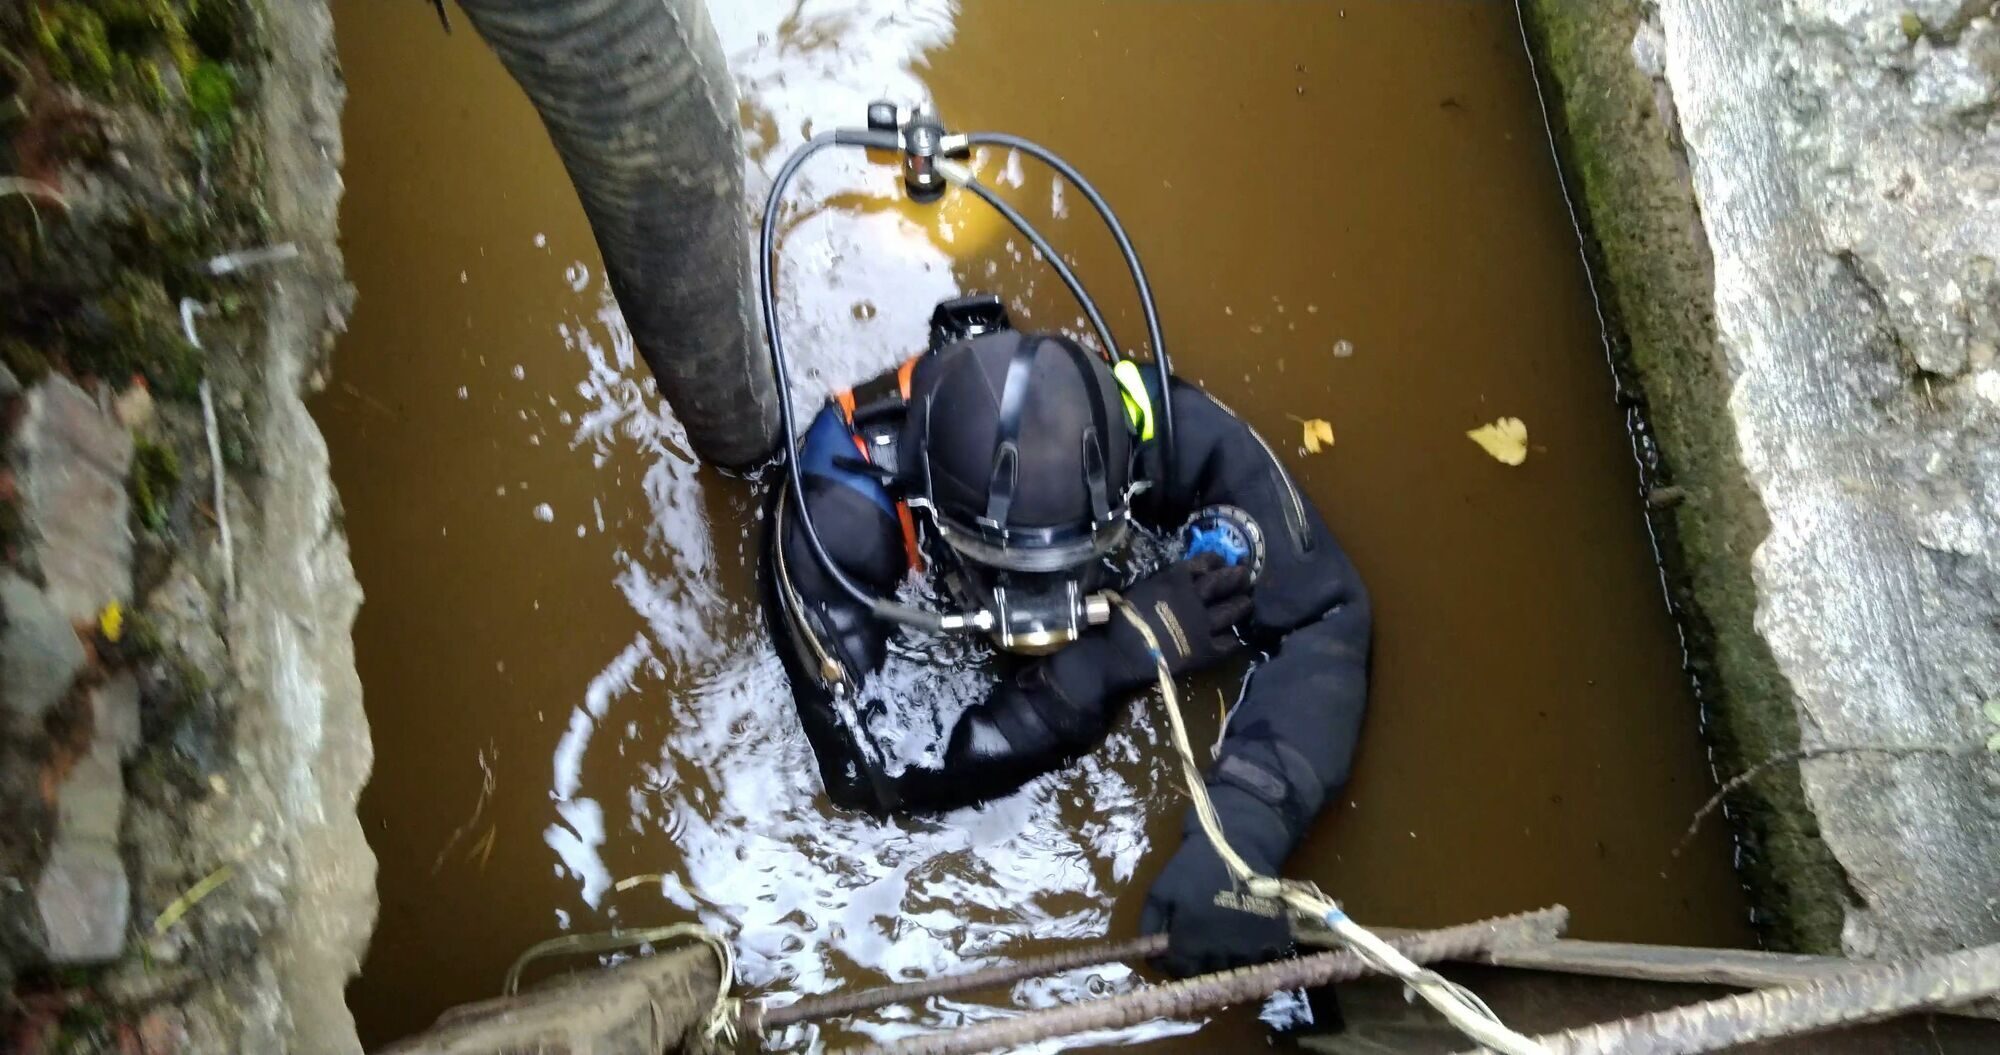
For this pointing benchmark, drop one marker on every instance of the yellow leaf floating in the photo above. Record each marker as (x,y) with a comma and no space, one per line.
(112,622)
(1318,434)
(1506,440)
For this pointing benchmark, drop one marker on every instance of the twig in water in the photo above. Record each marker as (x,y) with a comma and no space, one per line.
(29,190)
(1736,782)
(486,785)
(483,849)
(368,401)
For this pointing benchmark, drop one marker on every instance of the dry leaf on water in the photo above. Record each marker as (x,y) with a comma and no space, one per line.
(1318,433)
(1506,440)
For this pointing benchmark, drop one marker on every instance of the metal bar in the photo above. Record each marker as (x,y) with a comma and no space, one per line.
(1207,992)
(988,978)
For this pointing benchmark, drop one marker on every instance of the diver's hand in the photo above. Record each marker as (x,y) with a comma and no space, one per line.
(1211,924)
(1190,607)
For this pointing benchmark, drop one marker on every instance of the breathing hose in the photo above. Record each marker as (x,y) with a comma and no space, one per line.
(767,240)
(1048,252)
(1161,362)
(885,139)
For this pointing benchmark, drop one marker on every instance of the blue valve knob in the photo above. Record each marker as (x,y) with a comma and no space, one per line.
(1227,532)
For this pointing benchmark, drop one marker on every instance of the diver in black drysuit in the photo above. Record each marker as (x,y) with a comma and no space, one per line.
(1290,739)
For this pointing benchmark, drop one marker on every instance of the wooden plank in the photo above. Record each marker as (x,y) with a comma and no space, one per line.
(1742,968)
(1682,965)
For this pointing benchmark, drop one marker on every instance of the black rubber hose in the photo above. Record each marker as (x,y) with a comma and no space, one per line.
(767,242)
(1160,359)
(1048,252)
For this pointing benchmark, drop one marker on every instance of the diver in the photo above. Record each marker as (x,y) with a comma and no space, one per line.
(1018,472)
(1018,466)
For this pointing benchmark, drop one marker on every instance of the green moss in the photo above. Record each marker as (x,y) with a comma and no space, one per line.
(76,44)
(156,472)
(134,26)
(212,95)
(1652,265)
(142,638)
(125,49)
(133,329)
(1913,26)
(84,1028)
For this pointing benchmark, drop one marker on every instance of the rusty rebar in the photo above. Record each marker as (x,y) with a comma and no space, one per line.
(1208,992)
(1851,998)
(987,978)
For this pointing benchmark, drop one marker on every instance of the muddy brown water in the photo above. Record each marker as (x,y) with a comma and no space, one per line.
(1348,212)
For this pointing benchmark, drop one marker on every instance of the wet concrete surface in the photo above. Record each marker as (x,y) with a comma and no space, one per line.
(1348,213)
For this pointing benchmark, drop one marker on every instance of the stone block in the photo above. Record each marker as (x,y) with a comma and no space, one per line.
(90,805)
(84,545)
(115,709)
(39,652)
(64,423)
(92,797)
(84,901)
(71,459)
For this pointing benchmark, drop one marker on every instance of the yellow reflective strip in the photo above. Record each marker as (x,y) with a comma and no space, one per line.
(1138,402)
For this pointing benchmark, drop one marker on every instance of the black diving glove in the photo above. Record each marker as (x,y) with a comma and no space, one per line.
(1190,607)
(1211,923)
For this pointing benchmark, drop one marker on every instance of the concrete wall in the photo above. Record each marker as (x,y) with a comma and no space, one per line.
(1796,210)
(181,868)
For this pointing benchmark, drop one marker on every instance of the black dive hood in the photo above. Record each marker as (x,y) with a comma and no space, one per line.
(1021,461)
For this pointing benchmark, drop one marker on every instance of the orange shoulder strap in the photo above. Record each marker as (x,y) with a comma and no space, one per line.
(845,401)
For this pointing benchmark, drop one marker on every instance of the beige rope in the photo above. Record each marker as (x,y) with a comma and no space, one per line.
(1465,1011)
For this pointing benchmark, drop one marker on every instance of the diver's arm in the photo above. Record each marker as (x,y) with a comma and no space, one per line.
(1053,709)
(1039,716)
(814,621)
(867,544)
(1291,738)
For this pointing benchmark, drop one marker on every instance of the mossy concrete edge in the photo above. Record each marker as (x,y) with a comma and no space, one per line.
(1621,156)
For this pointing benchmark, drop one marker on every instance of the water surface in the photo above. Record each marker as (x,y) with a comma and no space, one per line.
(1348,212)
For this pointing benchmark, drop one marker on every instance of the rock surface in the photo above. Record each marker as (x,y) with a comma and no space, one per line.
(179,780)
(83,898)
(300,596)
(1829,394)
(69,459)
(39,653)
(1854,225)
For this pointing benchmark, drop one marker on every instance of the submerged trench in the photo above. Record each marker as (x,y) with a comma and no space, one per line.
(1349,213)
